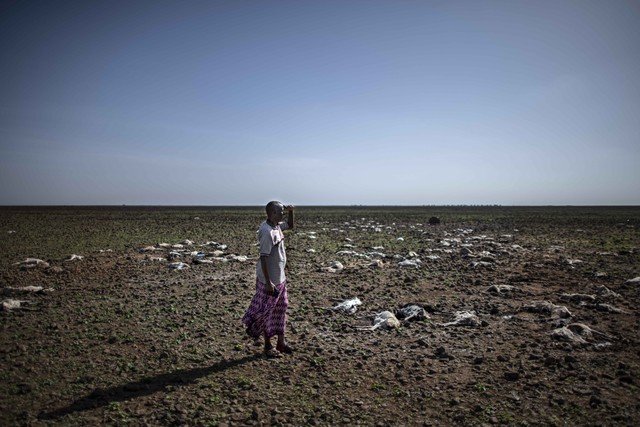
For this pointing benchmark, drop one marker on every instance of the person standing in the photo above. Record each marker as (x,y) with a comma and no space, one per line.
(266,314)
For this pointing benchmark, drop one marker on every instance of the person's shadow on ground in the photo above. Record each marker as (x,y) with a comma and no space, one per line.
(146,386)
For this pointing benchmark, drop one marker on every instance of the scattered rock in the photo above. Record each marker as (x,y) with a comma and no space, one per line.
(441,353)
(511,376)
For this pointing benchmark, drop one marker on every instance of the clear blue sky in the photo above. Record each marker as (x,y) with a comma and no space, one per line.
(320,102)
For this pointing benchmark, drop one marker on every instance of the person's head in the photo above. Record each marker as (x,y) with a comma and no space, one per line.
(275,211)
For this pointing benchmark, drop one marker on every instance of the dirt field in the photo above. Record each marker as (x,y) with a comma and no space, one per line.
(547,305)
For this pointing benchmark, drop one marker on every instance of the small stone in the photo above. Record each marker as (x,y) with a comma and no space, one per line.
(441,353)
(256,414)
(512,376)
(628,379)
(24,388)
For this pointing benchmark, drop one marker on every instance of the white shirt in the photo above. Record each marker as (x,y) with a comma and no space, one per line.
(271,239)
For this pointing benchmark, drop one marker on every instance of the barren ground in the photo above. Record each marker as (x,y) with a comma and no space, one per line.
(123,339)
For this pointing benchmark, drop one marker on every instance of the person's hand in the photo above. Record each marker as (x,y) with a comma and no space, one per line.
(289,208)
(270,289)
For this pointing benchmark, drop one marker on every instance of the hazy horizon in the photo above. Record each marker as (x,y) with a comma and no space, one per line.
(319,206)
(332,103)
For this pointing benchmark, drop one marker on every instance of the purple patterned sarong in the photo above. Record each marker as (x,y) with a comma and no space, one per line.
(267,314)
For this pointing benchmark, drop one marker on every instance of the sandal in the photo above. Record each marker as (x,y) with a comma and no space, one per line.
(271,353)
(286,349)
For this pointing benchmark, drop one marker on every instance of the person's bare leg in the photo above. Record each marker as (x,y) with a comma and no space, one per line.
(267,343)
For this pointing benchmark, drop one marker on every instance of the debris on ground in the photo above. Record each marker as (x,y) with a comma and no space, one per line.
(499,289)
(547,307)
(464,318)
(577,333)
(28,289)
(384,320)
(346,307)
(178,265)
(12,304)
(578,298)
(32,263)
(334,267)
(411,312)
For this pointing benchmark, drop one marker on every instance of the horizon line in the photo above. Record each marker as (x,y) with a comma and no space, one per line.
(313,205)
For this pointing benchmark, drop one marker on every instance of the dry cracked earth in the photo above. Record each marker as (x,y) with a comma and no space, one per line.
(526,316)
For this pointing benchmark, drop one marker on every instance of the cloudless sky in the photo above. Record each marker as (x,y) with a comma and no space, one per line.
(320,102)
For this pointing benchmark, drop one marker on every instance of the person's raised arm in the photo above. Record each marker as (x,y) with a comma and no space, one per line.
(290,221)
